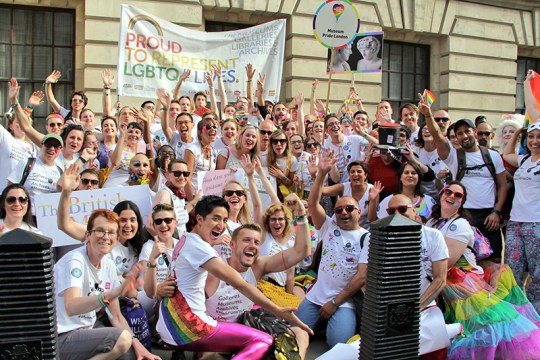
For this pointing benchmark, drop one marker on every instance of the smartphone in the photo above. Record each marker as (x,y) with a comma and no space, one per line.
(448,177)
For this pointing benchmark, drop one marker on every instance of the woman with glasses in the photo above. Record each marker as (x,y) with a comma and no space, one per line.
(237,197)
(174,194)
(78,100)
(410,176)
(14,212)
(126,252)
(246,144)
(156,255)
(201,155)
(498,321)
(281,163)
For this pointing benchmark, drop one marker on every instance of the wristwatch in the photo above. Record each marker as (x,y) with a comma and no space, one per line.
(497,212)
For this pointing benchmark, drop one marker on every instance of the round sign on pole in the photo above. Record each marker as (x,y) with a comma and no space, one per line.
(336,23)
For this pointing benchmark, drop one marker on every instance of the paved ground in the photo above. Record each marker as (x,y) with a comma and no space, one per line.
(316,348)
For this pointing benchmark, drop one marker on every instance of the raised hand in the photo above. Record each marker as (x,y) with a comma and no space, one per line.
(209,78)
(250,71)
(217,70)
(158,249)
(312,166)
(53,77)
(163,96)
(530,75)
(299,99)
(314,85)
(423,105)
(319,106)
(70,178)
(13,89)
(185,75)
(36,99)
(326,161)
(375,191)
(247,165)
(107,77)
(260,82)
(292,201)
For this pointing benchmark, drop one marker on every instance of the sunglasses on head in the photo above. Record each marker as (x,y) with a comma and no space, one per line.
(167,221)
(348,208)
(179,173)
(10,200)
(279,141)
(266,132)
(448,192)
(313,144)
(444,119)
(402,209)
(89,181)
(234,192)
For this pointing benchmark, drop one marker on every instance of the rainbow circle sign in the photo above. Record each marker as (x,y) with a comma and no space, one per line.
(336,23)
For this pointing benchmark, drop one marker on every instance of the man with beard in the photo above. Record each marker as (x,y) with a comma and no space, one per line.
(266,129)
(343,266)
(485,134)
(224,302)
(484,180)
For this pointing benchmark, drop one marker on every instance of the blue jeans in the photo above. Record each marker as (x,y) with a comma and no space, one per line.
(341,326)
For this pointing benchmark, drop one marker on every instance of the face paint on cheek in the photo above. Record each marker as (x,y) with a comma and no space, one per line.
(457,203)
(204,129)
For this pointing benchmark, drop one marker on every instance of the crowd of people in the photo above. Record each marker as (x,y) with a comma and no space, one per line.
(198,262)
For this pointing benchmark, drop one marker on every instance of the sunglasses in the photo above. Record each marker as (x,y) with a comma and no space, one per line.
(456,194)
(89,181)
(348,208)
(167,221)
(179,173)
(278,141)
(77,100)
(266,132)
(234,192)
(484,133)
(166,153)
(313,144)
(49,145)
(208,127)
(10,200)
(402,209)
(444,119)
(55,124)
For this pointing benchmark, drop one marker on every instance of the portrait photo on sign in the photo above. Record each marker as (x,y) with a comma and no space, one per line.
(364,54)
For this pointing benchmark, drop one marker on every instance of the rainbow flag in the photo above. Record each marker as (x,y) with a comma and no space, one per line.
(429,96)
(535,89)
(344,107)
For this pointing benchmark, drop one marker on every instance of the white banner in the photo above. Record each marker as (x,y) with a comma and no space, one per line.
(153,53)
(81,206)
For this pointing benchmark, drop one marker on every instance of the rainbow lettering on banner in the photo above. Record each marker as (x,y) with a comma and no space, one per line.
(134,20)
(429,96)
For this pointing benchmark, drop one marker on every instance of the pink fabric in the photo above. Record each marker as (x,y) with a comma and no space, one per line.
(246,342)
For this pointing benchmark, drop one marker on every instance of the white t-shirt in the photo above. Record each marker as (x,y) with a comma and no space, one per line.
(433,248)
(232,161)
(282,165)
(24,226)
(431,159)
(162,270)
(124,259)
(180,211)
(303,172)
(480,185)
(189,255)
(179,146)
(460,230)
(363,203)
(352,148)
(75,270)
(526,204)
(423,206)
(41,179)
(227,303)
(12,151)
(64,163)
(271,247)
(341,254)
(201,163)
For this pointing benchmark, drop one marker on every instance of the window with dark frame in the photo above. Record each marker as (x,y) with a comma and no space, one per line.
(523,65)
(216,26)
(33,42)
(405,72)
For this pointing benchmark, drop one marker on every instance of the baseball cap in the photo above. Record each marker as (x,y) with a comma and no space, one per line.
(462,122)
(54,137)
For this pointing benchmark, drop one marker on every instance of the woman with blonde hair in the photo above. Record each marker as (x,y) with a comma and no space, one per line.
(509,125)
(281,163)
(247,143)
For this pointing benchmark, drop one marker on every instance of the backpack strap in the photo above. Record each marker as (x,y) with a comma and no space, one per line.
(362,240)
(524,159)
(461,164)
(486,156)
(27,169)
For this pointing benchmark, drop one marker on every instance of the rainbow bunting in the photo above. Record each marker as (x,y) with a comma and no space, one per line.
(429,96)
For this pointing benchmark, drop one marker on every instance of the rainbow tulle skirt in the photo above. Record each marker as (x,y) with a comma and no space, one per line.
(498,325)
